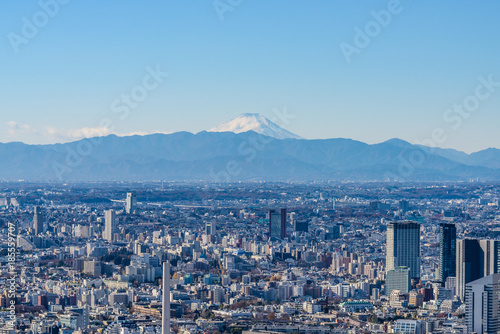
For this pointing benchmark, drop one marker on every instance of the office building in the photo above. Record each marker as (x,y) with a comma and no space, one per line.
(398,279)
(37,220)
(210,228)
(333,232)
(75,318)
(277,224)
(447,251)
(490,250)
(110,225)
(93,268)
(301,225)
(482,305)
(404,205)
(409,326)
(468,264)
(403,247)
(131,202)
(416,299)
(475,259)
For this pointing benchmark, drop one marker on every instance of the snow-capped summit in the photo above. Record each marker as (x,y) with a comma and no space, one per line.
(257,123)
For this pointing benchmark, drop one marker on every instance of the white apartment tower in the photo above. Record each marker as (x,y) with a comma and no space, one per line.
(110,225)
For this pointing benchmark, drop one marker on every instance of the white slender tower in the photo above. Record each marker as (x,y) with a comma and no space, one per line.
(165,311)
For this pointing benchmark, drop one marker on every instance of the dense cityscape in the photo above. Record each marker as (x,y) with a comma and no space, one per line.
(256,257)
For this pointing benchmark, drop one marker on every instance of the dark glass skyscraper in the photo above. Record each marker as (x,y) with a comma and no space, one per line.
(468,264)
(277,224)
(301,225)
(475,259)
(447,251)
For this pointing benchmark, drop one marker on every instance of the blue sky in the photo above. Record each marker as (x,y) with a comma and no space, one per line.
(67,79)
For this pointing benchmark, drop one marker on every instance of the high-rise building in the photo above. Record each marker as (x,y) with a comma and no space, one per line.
(490,251)
(482,305)
(447,251)
(475,259)
(131,202)
(110,225)
(398,279)
(165,309)
(277,224)
(301,225)
(37,220)
(210,228)
(333,232)
(403,247)
(468,264)
(404,205)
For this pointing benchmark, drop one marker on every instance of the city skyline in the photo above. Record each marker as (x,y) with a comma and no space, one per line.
(249,167)
(191,254)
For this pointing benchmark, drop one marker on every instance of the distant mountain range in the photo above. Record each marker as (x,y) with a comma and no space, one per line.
(272,155)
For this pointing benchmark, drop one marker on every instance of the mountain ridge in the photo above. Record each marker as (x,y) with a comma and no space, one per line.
(227,156)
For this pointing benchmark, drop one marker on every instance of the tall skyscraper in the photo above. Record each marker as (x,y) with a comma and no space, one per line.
(131,202)
(37,220)
(165,309)
(277,224)
(403,247)
(447,251)
(468,264)
(210,228)
(475,259)
(110,225)
(482,305)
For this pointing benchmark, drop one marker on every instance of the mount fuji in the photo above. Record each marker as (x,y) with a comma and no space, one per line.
(256,123)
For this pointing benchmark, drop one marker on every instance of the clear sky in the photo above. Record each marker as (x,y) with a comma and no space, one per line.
(66,74)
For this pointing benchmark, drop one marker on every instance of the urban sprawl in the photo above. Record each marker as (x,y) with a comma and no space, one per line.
(256,257)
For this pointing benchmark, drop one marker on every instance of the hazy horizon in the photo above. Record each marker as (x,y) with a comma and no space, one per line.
(194,133)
